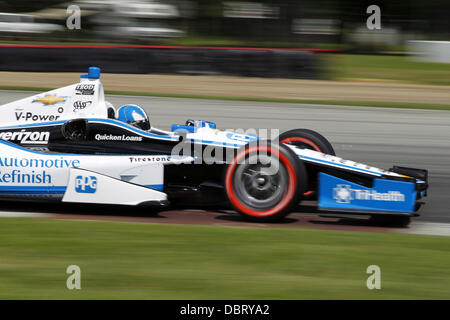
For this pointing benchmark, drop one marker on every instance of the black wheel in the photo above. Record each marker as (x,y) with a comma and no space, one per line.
(265,180)
(390,220)
(308,139)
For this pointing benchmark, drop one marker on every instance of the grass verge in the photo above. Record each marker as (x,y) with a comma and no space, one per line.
(379,104)
(384,67)
(151,261)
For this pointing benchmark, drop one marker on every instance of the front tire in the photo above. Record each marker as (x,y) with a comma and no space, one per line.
(307,139)
(312,140)
(264,181)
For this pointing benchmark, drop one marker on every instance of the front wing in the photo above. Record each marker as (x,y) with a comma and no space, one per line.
(384,196)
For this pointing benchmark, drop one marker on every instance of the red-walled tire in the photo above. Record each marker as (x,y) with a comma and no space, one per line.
(307,139)
(264,181)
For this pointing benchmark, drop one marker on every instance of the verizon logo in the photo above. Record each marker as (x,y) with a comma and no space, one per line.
(26,137)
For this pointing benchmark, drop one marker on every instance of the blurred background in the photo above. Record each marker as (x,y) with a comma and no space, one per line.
(308,29)
(320,56)
(285,23)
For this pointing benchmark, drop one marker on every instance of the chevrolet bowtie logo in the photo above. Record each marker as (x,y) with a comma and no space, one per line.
(50,99)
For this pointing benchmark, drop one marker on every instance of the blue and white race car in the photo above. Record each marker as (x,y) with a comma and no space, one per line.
(71,145)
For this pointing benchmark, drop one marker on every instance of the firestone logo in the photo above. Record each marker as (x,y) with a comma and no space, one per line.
(343,193)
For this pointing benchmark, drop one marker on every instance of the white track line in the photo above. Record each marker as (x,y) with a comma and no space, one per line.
(421,228)
(428,228)
(16,214)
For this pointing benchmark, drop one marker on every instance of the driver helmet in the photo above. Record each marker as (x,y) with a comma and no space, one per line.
(134,115)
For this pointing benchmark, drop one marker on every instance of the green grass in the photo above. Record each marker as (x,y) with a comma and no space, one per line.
(193,40)
(337,66)
(58,43)
(380,104)
(383,67)
(340,67)
(189,41)
(151,261)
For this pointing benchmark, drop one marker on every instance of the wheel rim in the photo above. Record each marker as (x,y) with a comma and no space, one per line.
(260,184)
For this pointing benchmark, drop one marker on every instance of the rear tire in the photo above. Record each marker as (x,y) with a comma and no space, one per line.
(264,181)
(308,139)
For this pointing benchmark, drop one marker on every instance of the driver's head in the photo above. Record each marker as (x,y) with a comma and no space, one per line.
(134,115)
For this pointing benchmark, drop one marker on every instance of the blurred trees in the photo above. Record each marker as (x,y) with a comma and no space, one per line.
(27,5)
(414,16)
(428,18)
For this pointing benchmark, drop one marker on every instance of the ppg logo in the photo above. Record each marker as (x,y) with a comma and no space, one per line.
(86,184)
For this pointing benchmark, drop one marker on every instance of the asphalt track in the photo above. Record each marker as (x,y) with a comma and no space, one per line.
(377,136)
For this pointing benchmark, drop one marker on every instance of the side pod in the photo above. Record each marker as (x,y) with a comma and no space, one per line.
(90,187)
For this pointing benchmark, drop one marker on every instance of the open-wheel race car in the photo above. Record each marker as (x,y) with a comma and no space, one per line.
(71,145)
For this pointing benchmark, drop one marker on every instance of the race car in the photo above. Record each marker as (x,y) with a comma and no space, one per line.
(71,145)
